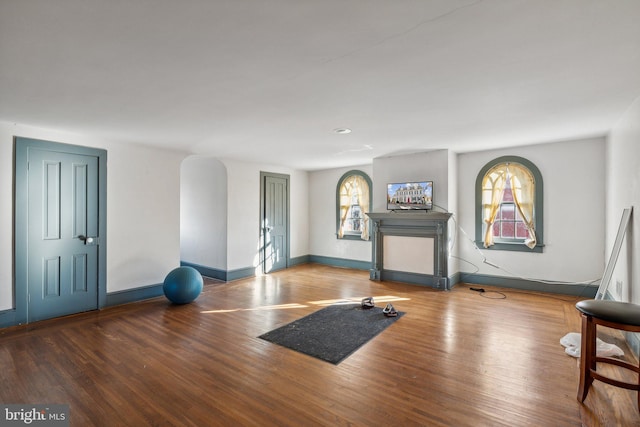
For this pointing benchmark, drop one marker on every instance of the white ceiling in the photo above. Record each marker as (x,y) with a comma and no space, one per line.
(268,81)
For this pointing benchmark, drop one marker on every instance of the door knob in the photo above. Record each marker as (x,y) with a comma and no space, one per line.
(88,240)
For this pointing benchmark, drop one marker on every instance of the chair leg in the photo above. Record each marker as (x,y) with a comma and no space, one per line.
(638,389)
(587,356)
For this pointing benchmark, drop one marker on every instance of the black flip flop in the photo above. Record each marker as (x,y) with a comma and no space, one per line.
(367,302)
(389,311)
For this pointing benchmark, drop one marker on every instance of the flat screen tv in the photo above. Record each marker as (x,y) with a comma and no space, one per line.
(416,195)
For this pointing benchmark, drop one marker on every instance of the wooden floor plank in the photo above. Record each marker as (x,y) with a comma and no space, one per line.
(457,358)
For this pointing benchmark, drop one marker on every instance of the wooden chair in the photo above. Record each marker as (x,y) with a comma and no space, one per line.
(612,314)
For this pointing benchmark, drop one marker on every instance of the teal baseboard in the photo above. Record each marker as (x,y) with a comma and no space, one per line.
(152,291)
(454,279)
(340,262)
(305,259)
(224,275)
(418,279)
(214,273)
(8,318)
(241,273)
(586,291)
(133,295)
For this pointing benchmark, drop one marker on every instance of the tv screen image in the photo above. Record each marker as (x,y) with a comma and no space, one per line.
(416,195)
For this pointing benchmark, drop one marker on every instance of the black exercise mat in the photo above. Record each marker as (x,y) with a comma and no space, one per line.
(333,333)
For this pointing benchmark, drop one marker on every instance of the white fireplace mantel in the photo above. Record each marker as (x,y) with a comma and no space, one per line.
(411,247)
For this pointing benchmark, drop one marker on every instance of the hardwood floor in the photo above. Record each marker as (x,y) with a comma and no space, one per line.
(456,358)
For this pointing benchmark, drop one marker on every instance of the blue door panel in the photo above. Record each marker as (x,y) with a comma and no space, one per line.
(62,209)
(276,223)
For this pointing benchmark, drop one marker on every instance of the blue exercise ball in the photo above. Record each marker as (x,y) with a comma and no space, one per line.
(182,285)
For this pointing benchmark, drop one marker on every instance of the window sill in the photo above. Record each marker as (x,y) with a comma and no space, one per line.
(513,247)
(351,237)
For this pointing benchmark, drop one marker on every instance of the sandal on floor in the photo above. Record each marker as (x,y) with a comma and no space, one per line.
(367,302)
(389,311)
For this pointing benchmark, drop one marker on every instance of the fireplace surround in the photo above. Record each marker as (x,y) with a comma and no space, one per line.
(411,247)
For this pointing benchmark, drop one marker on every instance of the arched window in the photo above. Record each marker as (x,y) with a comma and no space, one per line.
(353,201)
(509,205)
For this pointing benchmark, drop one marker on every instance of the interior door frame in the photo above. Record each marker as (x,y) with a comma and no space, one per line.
(263,189)
(21,225)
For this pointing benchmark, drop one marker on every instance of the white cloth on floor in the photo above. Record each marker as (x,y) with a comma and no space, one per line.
(572,343)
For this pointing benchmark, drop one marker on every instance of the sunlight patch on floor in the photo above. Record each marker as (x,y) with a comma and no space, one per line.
(353,300)
(266,307)
(380,298)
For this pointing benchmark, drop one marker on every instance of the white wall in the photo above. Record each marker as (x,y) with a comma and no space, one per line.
(438,166)
(452,206)
(143,192)
(573,173)
(322,205)
(143,209)
(6,214)
(143,215)
(424,166)
(243,220)
(623,191)
(431,165)
(203,212)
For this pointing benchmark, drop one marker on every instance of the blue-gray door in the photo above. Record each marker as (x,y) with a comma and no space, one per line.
(275,221)
(62,232)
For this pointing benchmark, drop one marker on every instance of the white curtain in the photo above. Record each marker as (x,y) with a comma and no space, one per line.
(358,186)
(523,189)
(345,203)
(522,185)
(493,185)
(363,201)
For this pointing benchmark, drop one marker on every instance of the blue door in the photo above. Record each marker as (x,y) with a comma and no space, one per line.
(61,262)
(275,221)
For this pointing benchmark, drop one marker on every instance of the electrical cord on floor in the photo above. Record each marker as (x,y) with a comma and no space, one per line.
(585,284)
(489,294)
(503,295)
(561,297)
(452,242)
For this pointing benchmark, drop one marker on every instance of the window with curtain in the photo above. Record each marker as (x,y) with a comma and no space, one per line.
(353,201)
(509,205)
